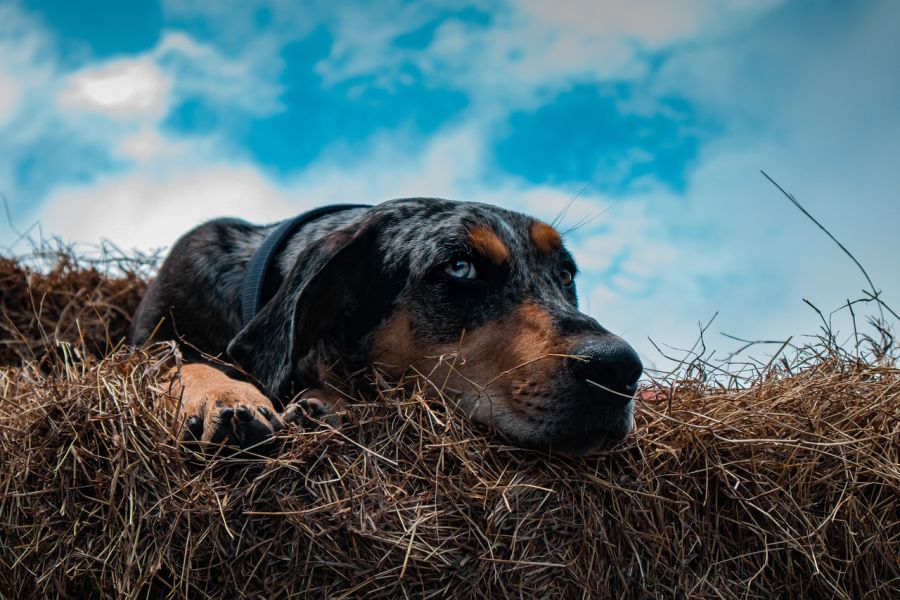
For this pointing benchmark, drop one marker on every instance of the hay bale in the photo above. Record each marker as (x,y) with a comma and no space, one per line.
(56,295)
(786,488)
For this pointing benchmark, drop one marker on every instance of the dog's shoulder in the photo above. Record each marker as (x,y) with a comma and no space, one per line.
(198,280)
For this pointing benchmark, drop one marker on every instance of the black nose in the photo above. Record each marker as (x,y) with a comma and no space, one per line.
(610,364)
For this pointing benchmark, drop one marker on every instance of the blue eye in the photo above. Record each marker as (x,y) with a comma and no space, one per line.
(461,268)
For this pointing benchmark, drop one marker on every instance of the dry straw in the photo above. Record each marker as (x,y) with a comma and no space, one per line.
(788,487)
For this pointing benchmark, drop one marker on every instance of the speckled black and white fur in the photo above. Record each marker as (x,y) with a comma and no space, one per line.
(370,287)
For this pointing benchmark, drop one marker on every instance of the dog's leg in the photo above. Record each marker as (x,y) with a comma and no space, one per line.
(222,410)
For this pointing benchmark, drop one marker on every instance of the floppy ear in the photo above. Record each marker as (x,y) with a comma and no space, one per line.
(337,291)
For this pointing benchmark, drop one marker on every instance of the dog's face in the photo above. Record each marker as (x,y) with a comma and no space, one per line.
(489,314)
(478,299)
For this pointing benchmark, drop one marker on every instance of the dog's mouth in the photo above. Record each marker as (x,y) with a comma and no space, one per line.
(571,426)
(589,440)
(574,444)
(579,438)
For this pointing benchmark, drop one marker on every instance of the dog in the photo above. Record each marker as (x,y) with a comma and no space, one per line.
(480,299)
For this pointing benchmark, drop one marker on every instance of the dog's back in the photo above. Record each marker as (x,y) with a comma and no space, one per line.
(196,294)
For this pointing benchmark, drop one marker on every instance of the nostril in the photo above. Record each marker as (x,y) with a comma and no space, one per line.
(635,376)
(611,364)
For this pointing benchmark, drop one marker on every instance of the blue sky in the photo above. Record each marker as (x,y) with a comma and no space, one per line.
(133,122)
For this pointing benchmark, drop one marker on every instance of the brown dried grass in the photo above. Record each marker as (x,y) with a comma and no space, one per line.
(786,488)
(56,294)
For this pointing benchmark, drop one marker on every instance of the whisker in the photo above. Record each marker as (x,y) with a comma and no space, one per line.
(534,360)
(611,391)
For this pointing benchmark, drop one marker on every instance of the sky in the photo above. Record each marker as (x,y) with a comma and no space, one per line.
(652,119)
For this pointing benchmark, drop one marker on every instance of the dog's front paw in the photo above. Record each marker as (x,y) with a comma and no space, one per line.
(238,422)
(226,412)
(316,407)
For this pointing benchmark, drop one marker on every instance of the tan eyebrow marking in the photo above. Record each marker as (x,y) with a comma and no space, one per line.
(545,237)
(487,243)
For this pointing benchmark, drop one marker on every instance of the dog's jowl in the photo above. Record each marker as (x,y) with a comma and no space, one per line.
(478,298)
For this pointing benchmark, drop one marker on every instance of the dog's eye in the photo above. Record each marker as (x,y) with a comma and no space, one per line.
(566,277)
(461,269)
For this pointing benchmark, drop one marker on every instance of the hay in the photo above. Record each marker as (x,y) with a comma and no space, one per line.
(787,488)
(55,294)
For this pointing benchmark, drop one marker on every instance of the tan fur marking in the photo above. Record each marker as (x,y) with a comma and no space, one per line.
(518,357)
(395,349)
(545,237)
(526,335)
(488,245)
(200,383)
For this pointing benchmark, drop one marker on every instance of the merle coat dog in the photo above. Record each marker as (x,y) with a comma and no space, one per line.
(479,299)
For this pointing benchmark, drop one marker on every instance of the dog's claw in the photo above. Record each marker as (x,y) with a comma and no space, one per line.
(243,413)
(313,406)
(239,426)
(312,410)
(194,429)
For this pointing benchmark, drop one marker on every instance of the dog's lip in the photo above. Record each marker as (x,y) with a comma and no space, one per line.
(603,427)
(600,431)
(587,441)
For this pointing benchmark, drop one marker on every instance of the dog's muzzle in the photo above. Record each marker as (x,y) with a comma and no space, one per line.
(602,379)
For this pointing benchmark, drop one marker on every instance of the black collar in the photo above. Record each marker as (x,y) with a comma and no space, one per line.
(260,280)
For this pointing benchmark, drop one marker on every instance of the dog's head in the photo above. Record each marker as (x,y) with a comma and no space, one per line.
(478,299)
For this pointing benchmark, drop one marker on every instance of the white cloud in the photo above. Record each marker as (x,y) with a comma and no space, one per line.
(362,41)
(144,145)
(9,97)
(122,89)
(178,68)
(531,49)
(27,81)
(650,22)
(181,184)
(150,210)
(26,66)
(247,23)
(247,82)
